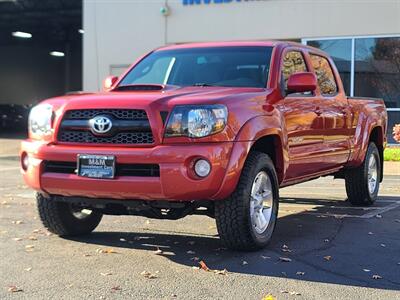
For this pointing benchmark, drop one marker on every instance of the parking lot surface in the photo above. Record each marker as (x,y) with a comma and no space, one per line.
(322,249)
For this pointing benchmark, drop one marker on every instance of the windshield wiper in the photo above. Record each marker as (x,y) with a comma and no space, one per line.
(203,84)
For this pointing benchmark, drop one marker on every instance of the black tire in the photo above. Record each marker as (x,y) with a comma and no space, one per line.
(233,214)
(58,217)
(357,186)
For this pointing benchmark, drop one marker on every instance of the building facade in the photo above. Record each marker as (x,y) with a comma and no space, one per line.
(362,36)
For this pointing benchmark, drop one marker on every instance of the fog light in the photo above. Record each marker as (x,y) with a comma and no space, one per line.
(25,161)
(202,168)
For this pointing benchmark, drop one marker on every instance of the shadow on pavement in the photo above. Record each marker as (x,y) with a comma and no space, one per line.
(344,251)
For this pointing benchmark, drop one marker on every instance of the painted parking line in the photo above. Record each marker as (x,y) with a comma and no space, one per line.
(372,211)
(9,169)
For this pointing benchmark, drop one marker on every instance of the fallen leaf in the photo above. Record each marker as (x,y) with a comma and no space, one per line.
(18,222)
(32,238)
(190,252)
(122,240)
(295,293)
(370,233)
(328,257)
(37,231)
(158,251)
(383,245)
(366,270)
(116,288)
(106,251)
(87,255)
(106,274)
(326,240)
(203,266)
(265,257)
(196,268)
(14,289)
(300,273)
(29,247)
(149,275)
(376,276)
(148,222)
(28,269)
(221,272)
(17,239)
(244,263)
(285,259)
(269,297)
(378,216)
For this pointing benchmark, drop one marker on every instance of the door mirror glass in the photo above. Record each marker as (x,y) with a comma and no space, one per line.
(301,82)
(109,82)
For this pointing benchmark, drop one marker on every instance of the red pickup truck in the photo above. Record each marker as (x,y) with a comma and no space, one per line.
(210,128)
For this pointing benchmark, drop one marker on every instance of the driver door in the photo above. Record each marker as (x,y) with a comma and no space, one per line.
(303,121)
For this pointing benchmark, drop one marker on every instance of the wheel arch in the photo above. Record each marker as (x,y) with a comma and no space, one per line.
(377,137)
(271,145)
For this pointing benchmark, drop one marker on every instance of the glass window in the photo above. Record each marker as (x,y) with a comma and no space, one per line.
(340,52)
(323,70)
(377,69)
(293,62)
(219,66)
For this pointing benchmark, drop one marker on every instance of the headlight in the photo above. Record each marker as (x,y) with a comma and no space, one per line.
(40,121)
(196,121)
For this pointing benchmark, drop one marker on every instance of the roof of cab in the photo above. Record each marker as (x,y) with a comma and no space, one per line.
(223,44)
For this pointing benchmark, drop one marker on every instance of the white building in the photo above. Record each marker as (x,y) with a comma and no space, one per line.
(363,36)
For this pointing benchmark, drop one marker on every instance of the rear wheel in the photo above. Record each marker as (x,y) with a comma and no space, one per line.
(362,183)
(65,219)
(246,220)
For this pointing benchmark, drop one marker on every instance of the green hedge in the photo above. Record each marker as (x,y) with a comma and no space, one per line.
(392,154)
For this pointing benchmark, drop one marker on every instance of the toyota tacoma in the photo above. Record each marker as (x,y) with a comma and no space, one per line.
(208,128)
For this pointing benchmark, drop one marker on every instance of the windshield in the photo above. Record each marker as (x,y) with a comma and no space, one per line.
(217,66)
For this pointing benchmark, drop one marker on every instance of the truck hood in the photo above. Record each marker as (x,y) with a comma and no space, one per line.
(164,99)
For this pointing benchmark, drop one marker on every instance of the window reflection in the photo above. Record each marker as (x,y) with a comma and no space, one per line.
(377,69)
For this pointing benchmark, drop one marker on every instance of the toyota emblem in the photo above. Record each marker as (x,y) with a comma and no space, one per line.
(100,124)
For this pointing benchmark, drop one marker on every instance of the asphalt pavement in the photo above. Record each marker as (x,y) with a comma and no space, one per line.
(322,249)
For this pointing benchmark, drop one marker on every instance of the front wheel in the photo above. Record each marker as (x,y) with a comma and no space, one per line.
(362,183)
(246,220)
(65,219)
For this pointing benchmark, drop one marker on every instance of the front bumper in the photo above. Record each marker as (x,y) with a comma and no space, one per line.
(174,182)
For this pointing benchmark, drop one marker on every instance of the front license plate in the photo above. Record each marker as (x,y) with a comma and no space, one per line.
(96,166)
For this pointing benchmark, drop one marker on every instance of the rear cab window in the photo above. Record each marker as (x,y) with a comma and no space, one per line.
(325,76)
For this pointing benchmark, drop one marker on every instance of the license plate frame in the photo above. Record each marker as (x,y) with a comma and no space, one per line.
(96,166)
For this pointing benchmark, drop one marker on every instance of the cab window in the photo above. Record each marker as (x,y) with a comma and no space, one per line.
(325,76)
(293,62)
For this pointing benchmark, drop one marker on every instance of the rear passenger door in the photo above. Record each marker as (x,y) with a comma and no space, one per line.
(304,126)
(334,111)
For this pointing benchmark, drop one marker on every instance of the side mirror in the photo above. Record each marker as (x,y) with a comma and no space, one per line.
(109,82)
(302,82)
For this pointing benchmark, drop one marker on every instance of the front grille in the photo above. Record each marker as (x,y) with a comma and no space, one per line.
(123,114)
(120,138)
(142,170)
(130,126)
